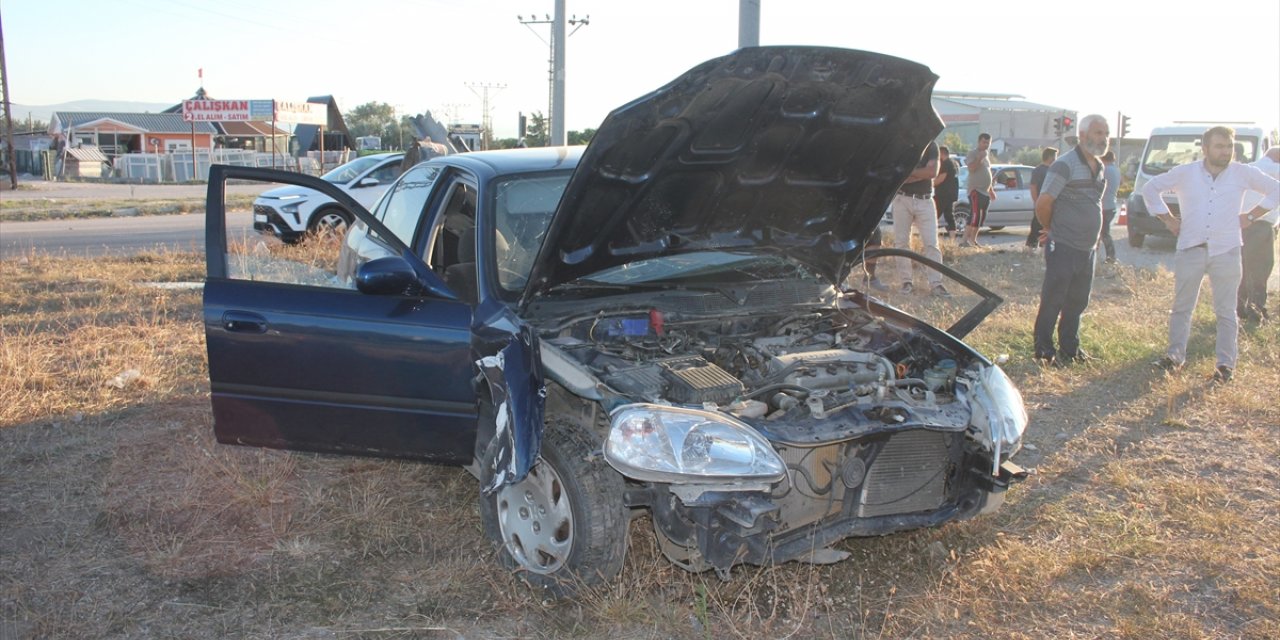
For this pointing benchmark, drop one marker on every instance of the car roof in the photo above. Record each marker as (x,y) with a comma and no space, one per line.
(1197,129)
(508,161)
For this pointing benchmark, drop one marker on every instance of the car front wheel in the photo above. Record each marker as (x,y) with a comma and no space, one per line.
(564,526)
(1135,238)
(330,220)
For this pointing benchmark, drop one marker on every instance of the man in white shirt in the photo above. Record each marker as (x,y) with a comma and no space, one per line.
(1210,194)
(1258,254)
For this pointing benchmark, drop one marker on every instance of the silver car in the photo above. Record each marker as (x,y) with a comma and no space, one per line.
(1012,205)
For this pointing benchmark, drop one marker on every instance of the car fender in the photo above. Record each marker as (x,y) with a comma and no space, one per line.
(514,381)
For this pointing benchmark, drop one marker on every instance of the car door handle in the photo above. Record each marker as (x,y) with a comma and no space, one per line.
(244,322)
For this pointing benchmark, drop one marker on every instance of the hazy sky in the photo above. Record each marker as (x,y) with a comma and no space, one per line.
(1156,62)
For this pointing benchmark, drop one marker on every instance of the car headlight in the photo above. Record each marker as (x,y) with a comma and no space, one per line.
(1005,413)
(672,444)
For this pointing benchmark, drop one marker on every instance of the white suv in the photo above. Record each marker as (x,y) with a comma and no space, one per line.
(292,212)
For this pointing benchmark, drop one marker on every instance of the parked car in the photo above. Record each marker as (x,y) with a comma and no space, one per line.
(1012,205)
(659,322)
(291,212)
(1168,147)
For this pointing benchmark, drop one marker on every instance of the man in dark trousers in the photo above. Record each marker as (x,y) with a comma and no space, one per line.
(1047,158)
(1258,254)
(1069,208)
(946,189)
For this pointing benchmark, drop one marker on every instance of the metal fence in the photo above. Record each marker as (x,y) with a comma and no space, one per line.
(184,166)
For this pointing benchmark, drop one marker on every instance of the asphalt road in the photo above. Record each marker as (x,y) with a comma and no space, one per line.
(91,237)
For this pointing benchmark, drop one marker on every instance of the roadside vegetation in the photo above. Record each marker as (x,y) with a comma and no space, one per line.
(1152,512)
(17,208)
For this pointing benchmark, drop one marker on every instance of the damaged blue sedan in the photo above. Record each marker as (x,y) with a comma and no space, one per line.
(659,322)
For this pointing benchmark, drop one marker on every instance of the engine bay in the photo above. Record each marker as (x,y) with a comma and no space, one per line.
(798,376)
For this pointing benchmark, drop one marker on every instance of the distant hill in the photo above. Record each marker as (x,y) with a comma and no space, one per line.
(45,111)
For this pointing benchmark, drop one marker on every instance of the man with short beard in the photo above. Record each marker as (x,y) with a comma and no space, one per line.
(1210,197)
(1069,209)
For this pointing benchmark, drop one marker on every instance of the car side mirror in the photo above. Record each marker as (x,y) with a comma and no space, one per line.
(388,276)
(368,182)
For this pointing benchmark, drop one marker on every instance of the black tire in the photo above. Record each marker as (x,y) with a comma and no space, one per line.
(329,220)
(1135,238)
(564,527)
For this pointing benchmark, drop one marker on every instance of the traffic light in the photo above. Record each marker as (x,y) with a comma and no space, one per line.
(1057,126)
(1067,123)
(1124,125)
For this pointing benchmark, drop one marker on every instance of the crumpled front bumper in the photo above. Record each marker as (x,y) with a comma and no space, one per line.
(720,529)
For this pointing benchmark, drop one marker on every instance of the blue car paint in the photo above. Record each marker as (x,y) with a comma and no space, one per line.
(382,375)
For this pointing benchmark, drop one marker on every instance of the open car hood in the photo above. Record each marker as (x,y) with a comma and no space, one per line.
(790,149)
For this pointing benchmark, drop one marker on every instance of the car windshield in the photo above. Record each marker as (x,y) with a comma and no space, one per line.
(1165,152)
(523,206)
(348,172)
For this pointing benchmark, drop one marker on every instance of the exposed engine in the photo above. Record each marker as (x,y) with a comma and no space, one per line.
(794,366)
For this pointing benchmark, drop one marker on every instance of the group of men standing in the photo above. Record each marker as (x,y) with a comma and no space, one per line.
(1076,202)
(1220,234)
(930,193)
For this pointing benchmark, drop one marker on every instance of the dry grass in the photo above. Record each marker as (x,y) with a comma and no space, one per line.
(20,209)
(1152,515)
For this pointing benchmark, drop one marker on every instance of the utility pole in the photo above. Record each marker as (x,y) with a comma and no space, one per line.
(748,23)
(12,156)
(556,79)
(485,121)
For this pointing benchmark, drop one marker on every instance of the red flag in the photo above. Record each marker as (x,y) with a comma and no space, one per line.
(200,72)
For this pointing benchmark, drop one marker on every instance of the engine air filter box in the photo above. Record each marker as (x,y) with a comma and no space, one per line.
(693,380)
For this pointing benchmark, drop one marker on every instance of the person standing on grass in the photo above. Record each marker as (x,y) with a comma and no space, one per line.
(979,187)
(946,189)
(1210,196)
(1070,210)
(913,207)
(1111,173)
(1258,253)
(1047,158)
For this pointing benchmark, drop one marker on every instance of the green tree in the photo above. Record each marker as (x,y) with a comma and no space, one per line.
(581,137)
(535,132)
(374,119)
(1028,155)
(954,143)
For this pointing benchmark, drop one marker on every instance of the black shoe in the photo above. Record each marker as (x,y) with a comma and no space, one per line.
(1223,374)
(1070,359)
(1166,363)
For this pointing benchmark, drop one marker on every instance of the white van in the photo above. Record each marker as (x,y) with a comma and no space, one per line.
(1169,147)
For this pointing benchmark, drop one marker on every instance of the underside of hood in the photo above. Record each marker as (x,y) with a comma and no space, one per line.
(790,149)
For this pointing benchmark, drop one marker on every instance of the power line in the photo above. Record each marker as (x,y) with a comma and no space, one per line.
(485,121)
(555,65)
